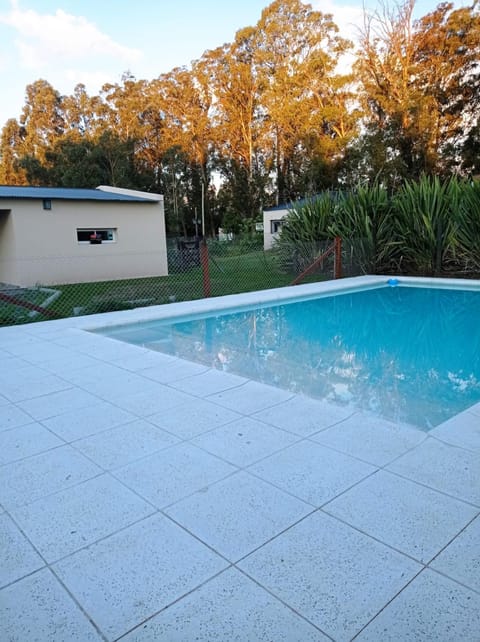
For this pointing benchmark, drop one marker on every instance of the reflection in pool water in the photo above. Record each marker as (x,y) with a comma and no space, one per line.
(408,354)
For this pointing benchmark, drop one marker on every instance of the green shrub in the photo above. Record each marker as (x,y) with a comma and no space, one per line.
(364,217)
(424,218)
(467,236)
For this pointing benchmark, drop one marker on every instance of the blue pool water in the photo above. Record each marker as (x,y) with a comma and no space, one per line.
(409,354)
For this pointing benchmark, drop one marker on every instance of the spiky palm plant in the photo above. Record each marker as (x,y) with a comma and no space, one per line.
(305,230)
(468,227)
(425,223)
(362,216)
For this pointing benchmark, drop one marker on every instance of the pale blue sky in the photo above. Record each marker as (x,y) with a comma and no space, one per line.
(94,41)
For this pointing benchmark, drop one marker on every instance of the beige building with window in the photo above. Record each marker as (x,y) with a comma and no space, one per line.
(272,224)
(58,235)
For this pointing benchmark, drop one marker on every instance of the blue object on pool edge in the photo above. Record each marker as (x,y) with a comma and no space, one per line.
(393,282)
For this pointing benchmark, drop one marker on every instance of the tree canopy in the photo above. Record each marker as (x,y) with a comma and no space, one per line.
(270,116)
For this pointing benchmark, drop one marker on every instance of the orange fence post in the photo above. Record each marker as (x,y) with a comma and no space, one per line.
(206,274)
(337,271)
(313,266)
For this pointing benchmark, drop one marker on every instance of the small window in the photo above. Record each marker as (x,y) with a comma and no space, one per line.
(96,236)
(47,204)
(275,226)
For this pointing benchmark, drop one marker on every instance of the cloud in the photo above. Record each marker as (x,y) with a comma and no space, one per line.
(45,38)
(348,18)
(93,80)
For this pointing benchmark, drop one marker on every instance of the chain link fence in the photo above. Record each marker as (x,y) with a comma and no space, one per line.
(222,267)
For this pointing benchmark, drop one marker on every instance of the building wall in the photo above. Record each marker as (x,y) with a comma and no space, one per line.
(39,246)
(7,247)
(269,218)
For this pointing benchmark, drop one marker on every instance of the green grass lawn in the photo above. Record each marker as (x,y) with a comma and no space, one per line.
(254,270)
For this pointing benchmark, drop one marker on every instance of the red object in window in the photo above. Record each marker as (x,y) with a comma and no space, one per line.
(95,238)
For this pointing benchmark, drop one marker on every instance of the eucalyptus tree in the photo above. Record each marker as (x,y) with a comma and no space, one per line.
(41,121)
(122,106)
(420,83)
(237,123)
(81,114)
(304,101)
(84,162)
(183,100)
(10,153)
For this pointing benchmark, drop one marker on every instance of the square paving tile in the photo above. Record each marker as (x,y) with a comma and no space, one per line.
(23,482)
(462,430)
(244,441)
(303,416)
(413,519)
(173,371)
(32,388)
(17,556)
(193,418)
(251,397)
(23,441)
(443,467)
(330,573)
(150,402)
(38,350)
(228,607)
(27,346)
(312,472)
(64,366)
(20,371)
(100,371)
(104,348)
(430,609)
(208,382)
(173,473)
(124,444)
(374,440)
(11,416)
(133,574)
(148,359)
(38,608)
(9,363)
(122,383)
(63,523)
(83,422)
(238,514)
(461,559)
(57,403)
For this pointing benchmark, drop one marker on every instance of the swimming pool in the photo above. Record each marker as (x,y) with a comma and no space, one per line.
(410,354)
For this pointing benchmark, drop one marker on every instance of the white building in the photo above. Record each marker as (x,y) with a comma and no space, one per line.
(59,235)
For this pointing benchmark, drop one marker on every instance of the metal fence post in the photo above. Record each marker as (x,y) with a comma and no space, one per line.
(206,274)
(337,270)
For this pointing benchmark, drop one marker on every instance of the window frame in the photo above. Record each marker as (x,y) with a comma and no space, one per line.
(104,232)
(276,225)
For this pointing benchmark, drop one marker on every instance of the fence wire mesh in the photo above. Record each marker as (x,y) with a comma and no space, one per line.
(232,266)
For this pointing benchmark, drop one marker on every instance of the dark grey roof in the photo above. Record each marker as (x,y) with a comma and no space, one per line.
(66,194)
(334,194)
(287,206)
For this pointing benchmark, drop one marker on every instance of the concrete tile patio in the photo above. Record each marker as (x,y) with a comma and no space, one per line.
(144,498)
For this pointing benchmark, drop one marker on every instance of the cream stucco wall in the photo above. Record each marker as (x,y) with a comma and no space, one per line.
(40,246)
(7,247)
(268,217)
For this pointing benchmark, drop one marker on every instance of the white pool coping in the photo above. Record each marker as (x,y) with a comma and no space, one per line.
(260,297)
(146,497)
